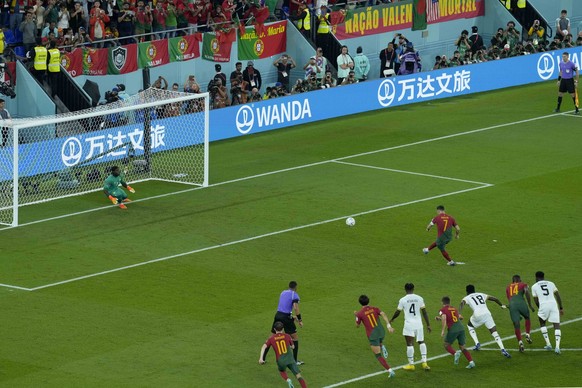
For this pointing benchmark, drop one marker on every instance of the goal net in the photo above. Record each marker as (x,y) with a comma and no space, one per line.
(153,135)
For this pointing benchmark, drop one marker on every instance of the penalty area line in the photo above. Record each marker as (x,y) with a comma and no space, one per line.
(253,238)
(537,350)
(360,378)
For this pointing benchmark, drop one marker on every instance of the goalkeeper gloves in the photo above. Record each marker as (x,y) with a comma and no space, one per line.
(113,199)
(131,189)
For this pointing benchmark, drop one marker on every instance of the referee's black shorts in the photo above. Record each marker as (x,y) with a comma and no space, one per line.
(287,320)
(567,86)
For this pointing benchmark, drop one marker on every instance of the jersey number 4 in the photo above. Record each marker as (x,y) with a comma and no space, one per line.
(412,309)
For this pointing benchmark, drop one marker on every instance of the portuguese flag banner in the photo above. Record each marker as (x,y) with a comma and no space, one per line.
(95,61)
(271,41)
(152,54)
(184,48)
(214,50)
(122,59)
(73,62)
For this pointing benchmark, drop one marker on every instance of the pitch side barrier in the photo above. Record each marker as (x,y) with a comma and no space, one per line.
(385,93)
(240,120)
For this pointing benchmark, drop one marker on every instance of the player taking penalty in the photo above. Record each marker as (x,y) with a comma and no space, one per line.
(518,308)
(370,317)
(445,224)
(283,345)
(451,319)
(113,191)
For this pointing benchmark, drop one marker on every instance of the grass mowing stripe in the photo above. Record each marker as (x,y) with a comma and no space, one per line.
(412,173)
(251,239)
(434,358)
(296,168)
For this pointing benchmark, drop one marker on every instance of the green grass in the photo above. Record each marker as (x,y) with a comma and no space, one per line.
(199,319)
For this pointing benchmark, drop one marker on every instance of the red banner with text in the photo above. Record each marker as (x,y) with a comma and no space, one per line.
(398,16)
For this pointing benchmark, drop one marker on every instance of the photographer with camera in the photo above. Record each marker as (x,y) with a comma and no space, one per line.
(456,60)
(328,81)
(237,93)
(191,86)
(536,31)
(160,83)
(498,40)
(350,79)
(511,35)
(440,62)
(255,96)
(463,43)
(218,94)
(299,87)
(284,65)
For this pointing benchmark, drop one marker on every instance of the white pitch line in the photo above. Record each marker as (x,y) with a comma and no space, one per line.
(293,168)
(435,358)
(251,238)
(15,287)
(535,350)
(412,173)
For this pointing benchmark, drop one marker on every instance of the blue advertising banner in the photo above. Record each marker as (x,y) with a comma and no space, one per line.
(170,133)
(386,93)
(90,148)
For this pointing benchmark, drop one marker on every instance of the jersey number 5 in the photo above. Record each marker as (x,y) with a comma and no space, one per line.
(545,290)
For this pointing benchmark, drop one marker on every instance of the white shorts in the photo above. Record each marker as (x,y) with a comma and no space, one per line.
(549,313)
(414,330)
(480,320)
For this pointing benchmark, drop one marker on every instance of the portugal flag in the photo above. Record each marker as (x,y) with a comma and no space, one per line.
(152,54)
(73,62)
(95,61)
(272,41)
(213,50)
(184,48)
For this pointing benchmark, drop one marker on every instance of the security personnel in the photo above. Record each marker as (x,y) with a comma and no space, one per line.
(39,57)
(54,65)
(2,43)
(303,20)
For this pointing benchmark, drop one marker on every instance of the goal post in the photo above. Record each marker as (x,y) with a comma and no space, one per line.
(153,135)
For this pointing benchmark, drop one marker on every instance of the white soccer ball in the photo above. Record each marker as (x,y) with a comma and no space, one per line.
(565,32)
(350,221)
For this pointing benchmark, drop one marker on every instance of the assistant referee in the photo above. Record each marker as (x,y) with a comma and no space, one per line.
(567,82)
(289,304)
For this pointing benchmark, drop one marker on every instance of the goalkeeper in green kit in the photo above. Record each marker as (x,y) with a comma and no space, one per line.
(113,191)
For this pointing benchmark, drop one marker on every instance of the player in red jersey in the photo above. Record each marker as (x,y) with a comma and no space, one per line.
(283,345)
(451,319)
(445,224)
(517,308)
(370,317)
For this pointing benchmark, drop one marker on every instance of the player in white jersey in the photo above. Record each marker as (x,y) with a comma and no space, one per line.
(482,316)
(413,306)
(547,298)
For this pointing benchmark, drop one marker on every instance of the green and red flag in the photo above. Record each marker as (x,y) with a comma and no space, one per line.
(184,48)
(214,50)
(95,61)
(272,41)
(122,59)
(73,62)
(419,15)
(152,54)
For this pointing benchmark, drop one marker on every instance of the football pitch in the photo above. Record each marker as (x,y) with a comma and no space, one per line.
(180,290)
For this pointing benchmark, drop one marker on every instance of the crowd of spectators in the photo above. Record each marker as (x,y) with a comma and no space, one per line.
(509,42)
